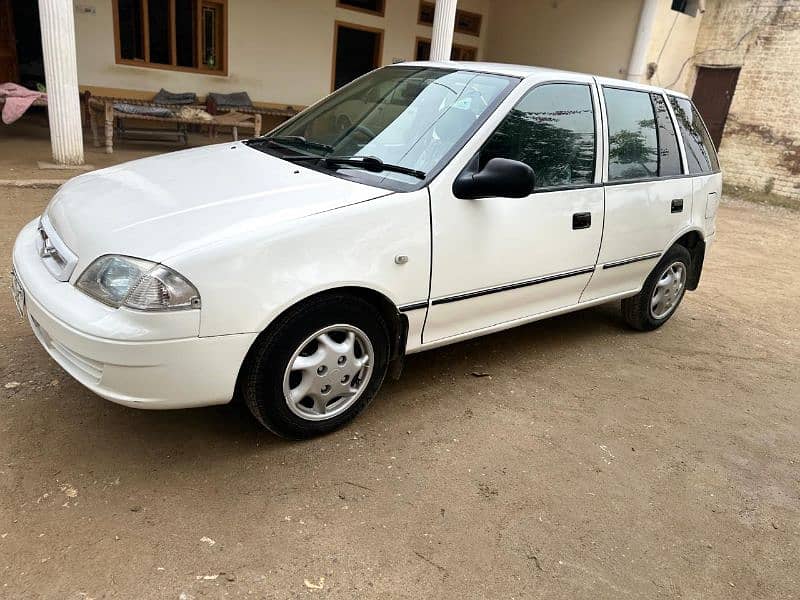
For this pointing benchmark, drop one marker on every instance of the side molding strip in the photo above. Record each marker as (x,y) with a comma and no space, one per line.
(633,259)
(511,286)
(413,306)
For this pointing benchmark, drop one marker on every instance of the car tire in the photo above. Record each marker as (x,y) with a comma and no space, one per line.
(661,293)
(298,378)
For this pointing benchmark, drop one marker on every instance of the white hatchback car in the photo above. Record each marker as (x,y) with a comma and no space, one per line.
(421,205)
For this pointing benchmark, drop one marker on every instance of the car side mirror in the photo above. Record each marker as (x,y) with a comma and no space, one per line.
(500,177)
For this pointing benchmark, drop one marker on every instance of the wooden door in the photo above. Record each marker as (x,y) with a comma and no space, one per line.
(713,93)
(8,44)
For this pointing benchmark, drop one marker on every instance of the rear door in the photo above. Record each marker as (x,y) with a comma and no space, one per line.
(499,260)
(702,162)
(648,193)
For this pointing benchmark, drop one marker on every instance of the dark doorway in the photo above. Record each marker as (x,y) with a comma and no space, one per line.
(28,41)
(713,93)
(8,44)
(356,50)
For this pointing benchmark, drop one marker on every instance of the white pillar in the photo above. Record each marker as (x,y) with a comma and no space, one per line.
(61,77)
(444,22)
(644,33)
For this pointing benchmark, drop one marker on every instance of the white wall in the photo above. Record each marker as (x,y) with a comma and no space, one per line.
(279,51)
(590,36)
(672,46)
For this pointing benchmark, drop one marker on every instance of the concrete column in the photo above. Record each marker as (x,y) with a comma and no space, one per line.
(644,33)
(444,22)
(61,77)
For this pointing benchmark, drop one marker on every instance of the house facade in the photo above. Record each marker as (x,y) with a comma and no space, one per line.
(293,52)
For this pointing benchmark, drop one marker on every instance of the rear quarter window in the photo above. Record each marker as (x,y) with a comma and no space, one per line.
(701,156)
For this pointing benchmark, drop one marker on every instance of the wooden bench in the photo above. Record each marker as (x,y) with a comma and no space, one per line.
(101,110)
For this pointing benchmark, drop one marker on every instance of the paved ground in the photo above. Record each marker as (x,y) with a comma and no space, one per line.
(593,462)
(27,141)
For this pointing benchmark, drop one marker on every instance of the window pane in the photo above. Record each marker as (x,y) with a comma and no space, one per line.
(185,41)
(423,50)
(369,5)
(669,158)
(632,141)
(426,12)
(407,116)
(212,26)
(158,21)
(130,29)
(467,22)
(700,154)
(552,130)
(463,53)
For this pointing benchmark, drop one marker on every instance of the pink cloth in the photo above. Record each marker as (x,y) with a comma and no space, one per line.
(18,100)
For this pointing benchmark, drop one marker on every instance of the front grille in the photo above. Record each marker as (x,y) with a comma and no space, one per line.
(56,256)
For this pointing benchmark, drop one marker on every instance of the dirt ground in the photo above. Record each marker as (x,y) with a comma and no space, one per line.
(591,462)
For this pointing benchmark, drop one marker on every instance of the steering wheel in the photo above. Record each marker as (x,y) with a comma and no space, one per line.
(364,131)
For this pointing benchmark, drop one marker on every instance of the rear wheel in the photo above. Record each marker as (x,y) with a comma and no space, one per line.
(317,367)
(661,293)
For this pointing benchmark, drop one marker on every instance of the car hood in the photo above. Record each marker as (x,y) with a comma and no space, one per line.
(162,206)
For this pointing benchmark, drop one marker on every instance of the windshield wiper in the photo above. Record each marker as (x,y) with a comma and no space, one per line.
(372,164)
(282,140)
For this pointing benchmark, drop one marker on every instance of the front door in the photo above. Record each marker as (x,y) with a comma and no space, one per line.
(713,93)
(8,44)
(500,260)
(357,51)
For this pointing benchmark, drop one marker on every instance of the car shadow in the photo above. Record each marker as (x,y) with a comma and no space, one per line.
(180,440)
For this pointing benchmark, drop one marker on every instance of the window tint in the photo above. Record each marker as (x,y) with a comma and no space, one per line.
(632,137)
(552,130)
(700,154)
(669,158)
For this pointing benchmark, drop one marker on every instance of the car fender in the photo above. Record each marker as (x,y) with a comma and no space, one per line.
(382,245)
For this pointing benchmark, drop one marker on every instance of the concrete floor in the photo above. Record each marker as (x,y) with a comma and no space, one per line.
(592,462)
(24,143)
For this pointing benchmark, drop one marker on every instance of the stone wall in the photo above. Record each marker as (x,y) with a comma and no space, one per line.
(760,147)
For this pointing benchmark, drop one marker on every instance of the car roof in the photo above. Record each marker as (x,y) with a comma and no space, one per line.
(538,73)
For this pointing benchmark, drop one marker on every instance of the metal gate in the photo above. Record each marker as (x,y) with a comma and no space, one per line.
(713,93)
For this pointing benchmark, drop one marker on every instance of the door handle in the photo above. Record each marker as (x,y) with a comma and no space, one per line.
(582,220)
(677,205)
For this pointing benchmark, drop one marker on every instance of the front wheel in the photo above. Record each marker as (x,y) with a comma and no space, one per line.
(317,367)
(661,293)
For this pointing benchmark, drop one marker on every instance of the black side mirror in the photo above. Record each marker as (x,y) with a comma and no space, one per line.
(501,177)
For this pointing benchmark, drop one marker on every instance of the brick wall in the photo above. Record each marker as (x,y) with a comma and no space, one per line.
(760,147)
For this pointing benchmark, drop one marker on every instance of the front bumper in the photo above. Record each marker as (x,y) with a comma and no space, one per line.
(143,360)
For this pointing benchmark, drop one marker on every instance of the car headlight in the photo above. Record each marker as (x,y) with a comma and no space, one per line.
(136,283)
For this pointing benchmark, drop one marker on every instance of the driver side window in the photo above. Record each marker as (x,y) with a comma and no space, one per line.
(551,129)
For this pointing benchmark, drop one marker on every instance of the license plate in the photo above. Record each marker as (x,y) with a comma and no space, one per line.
(18,293)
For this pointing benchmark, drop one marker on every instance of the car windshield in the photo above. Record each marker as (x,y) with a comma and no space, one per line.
(409,117)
